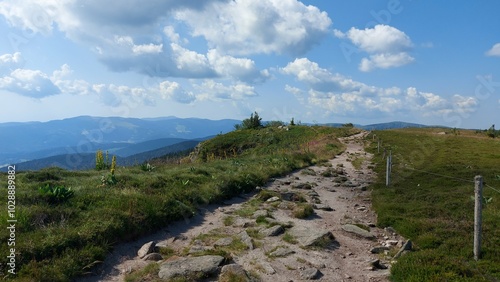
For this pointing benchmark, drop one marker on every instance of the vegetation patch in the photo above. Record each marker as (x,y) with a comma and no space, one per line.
(149,273)
(303,211)
(429,202)
(61,237)
(289,239)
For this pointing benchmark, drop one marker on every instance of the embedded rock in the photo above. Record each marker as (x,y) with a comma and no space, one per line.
(309,237)
(358,231)
(146,249)
(190,266)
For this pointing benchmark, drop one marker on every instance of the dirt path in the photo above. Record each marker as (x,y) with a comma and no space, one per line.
(345,191)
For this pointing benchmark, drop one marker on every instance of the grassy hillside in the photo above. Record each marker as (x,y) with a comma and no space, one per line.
(429,202)
(60,235)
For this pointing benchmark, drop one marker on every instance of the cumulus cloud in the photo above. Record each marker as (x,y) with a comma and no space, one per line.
(173,36)
(30,83)
(126,36)
(387,46)
(385,61)
(10,61)
(320,79)
(341,95)
(174,91)
(494,51)
(247,27)
(216,91)
(242,69)
(117,95)
(380,39)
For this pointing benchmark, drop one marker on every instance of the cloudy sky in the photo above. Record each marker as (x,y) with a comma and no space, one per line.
(314,60)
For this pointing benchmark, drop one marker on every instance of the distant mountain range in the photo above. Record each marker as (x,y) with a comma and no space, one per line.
(25,141)
(71,143)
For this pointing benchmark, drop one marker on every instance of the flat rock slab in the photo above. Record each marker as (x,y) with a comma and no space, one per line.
(272,231)
(260,213)
(358,231)
(224,242)
(189,266)
(310,274)
(305,186)
(267,268)
(309,237)
(282,252)
(322,207)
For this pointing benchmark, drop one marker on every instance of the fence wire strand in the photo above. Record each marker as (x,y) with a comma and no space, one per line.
(447,176)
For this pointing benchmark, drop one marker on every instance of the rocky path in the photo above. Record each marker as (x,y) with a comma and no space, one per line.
(267,240)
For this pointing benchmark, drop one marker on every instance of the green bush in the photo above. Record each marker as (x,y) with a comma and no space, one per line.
(55,194)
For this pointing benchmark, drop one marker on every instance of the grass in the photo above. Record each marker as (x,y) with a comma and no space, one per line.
(357,162)
(289,238)
(61,241)
(303,210)
(149,273)
(429,202)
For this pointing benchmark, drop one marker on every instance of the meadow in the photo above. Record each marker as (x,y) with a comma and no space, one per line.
(68,221)
(429,201)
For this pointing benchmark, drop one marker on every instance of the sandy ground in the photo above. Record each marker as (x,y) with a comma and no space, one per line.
(348,260)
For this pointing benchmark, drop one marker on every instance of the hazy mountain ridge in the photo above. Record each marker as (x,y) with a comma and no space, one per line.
(21,141)
(87,160)
(71,143)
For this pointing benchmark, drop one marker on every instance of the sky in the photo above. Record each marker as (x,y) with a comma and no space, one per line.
(317,61)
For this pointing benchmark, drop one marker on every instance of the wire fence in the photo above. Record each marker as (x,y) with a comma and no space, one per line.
(406,166)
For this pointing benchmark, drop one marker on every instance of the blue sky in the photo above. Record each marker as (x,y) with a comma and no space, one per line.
(430,62)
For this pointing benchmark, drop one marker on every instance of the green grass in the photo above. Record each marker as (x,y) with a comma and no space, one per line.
(303,210)
(58,242)
(429,202)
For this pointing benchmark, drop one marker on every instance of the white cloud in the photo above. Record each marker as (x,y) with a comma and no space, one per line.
(196,63)
(340,95)
(464,105)
(174,91)
(248,27)
(118,95)
(36,16)
(387,46)
(380,39)
(8,62)
(30,83)
(15,58)
(494,51)
(61,73)
(339,34)
(173,36)
(212,90)
(242,69)
(318,78)
(126,37)
(147,49)
(385,61)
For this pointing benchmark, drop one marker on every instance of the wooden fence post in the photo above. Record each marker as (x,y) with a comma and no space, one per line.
(478,191)
(388,172)
(390,161)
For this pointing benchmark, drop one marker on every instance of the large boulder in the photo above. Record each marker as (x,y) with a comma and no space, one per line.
(190,266)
